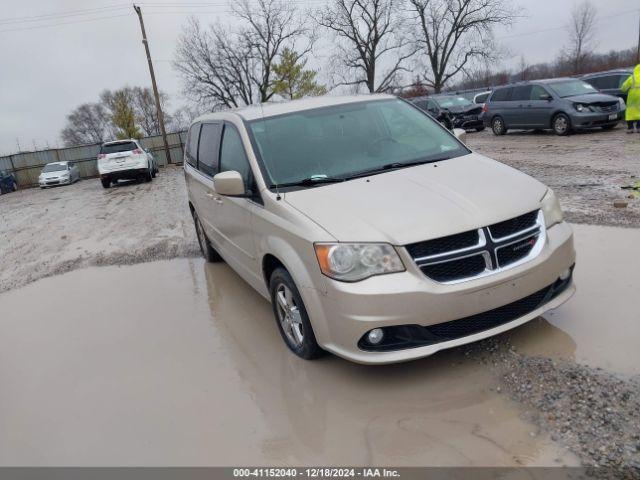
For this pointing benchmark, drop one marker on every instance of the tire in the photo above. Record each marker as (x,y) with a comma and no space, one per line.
(208,252)
(154,172)
(15,187)
(609,127)
(105,183)
(291,316)
(498,126)
(479,129)
(561,125)
(148,176)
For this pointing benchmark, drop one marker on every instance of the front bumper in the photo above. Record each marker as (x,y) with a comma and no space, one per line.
(349,310)
(471,123)
(592,120)
(54,182)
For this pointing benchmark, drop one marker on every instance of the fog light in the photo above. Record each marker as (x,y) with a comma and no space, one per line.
(375,336)
(565,275)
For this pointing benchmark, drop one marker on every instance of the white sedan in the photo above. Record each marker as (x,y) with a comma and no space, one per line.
(58,173)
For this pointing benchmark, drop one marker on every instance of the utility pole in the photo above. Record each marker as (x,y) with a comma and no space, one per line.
(155,86)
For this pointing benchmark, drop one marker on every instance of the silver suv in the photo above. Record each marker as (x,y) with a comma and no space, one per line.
(375,233)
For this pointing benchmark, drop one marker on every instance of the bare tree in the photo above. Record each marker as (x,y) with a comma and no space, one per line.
(453,33)
(216,65)
(369,34)
(87,124)
(144,107)
(271,26)
(581,33)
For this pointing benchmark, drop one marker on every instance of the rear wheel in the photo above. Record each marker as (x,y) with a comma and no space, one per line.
(148,176)
(207,250)
(498,126)
(479,129)
(561,124)
(105,182)
(291,316)
(154,172)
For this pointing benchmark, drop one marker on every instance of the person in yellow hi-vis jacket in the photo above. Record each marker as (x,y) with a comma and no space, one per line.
(632,86)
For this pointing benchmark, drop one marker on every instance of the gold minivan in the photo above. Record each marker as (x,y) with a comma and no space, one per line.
(376,234)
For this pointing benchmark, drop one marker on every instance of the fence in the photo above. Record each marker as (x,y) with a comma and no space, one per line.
(27,166)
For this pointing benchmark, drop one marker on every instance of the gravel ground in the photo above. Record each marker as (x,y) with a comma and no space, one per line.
(586,170)
(592,412)
(52,231)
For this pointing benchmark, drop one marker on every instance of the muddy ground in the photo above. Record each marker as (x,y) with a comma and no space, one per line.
(561,390)
(586,170)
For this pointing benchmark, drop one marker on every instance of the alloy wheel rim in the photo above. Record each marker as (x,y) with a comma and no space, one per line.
(289,315)
(497,123)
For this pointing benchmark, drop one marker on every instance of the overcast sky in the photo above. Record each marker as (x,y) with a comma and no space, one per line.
(46,71)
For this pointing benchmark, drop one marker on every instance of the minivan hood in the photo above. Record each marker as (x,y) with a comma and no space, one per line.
(592,98)
(420,203)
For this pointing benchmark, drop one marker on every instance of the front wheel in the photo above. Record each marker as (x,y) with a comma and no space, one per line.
(105,183)
(291,316)
(561,124)
(498,126)
(609,127)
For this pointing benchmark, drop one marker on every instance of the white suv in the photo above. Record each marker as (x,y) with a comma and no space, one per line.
(126,160)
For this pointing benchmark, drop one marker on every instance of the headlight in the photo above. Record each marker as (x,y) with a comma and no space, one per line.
(580,107)
(622,104)
(551,209)
(351,262)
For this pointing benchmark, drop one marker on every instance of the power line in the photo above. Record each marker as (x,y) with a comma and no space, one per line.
(55,16)
(64,23)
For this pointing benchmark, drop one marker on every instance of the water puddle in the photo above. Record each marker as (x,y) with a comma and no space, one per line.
(180,363)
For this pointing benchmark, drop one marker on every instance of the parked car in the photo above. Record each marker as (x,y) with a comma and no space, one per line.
(7,182)
(58,173)
(452,111)
(125,160)
(609,82)
(481,97)
(563,105)
(375,233)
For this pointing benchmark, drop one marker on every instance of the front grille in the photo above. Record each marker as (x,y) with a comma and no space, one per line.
(460,268)
(514,225)
(479,252)
(605,107)
(444,244)
(515,251)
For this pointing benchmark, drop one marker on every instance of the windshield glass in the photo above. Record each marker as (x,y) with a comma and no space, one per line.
(54,167)
(346,140)
(448,102)
(118,147)
(572,87)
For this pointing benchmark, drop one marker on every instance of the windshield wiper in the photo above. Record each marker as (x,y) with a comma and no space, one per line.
(398,165)
(309,182)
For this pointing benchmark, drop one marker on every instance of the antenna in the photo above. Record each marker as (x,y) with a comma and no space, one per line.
(266,131)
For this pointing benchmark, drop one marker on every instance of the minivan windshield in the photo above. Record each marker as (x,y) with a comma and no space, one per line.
(569,88)
(338,142)
(451,101)
(54,167)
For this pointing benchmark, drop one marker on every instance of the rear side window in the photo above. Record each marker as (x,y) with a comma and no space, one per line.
(522,92)
(622,79)
(501,95)
(191,152)
(482,98)
(118,147)
(209,148)
(233,156)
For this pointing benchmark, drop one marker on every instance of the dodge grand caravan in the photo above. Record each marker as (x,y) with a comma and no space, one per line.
(375,233)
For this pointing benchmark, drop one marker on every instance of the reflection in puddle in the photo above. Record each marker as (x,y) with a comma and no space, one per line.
(180,363)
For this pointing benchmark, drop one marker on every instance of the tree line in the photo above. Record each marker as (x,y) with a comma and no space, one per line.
(401,46)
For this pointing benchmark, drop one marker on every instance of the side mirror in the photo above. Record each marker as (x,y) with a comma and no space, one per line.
(546,96)
(229,184)
(460,134)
